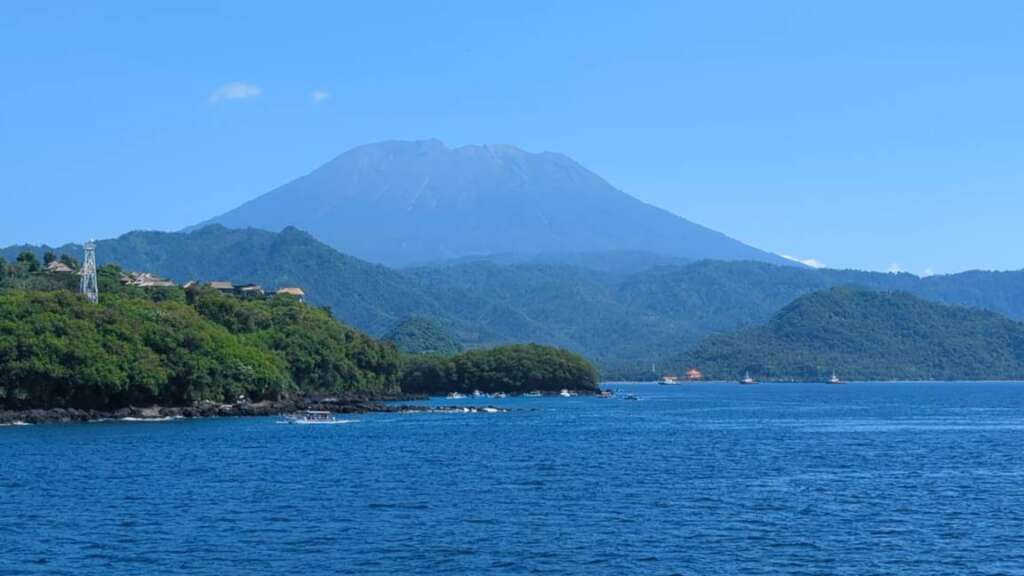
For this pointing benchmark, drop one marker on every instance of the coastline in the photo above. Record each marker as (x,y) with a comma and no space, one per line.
(215,410)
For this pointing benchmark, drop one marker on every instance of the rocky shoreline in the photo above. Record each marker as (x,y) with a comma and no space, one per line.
(215,410)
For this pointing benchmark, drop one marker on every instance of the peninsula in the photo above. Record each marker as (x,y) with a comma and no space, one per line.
(183,347)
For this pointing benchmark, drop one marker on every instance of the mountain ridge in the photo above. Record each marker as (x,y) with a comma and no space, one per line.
(621,317)
(403,203)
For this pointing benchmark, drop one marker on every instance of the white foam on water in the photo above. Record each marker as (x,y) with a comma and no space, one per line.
(164,419)
(317,423)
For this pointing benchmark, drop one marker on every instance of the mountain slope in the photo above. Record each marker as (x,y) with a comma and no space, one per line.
(868,335)
(402,203)
(622,320)
(419,335)
(368,296)
(572,307)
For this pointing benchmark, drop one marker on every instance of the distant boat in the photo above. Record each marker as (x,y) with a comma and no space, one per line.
(835,379)
(631,397)
(534,394)
(477,393)
(606,394)
(747,379)
(312,417)
(669,379)
(500,395)
(455,396)
(564,393)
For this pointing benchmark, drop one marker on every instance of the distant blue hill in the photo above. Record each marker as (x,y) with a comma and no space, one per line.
(403,203)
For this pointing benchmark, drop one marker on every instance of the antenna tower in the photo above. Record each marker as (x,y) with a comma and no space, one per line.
(90,287)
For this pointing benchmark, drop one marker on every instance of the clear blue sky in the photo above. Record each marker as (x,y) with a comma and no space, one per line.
(861,134)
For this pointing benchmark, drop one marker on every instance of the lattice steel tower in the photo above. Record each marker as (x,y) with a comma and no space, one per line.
(90,288)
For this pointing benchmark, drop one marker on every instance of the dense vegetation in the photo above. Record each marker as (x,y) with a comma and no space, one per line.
(23,273)
(176,347)
(367,296)
(321,355)
(868,335)
(516,368)
(622,317)
(419,335)
(57,350)
(170,347)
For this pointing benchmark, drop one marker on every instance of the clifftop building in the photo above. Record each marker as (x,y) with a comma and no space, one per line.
(58,267)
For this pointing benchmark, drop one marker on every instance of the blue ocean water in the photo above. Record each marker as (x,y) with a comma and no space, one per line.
(695,479)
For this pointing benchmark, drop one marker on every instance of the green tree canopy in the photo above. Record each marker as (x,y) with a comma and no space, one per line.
(421,335)
(29,260)
(517,368)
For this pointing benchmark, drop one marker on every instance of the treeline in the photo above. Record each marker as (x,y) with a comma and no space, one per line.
(25,272)
(517,368)
(170,346)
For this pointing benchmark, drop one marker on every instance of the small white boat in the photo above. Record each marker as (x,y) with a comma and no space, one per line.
(500,395)
(477,394)
(747,379)
(312,417)
(834,379)
(455,396)
(565,393)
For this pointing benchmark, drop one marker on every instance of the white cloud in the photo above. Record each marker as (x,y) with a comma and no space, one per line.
(928,272)
(895,268)
(235,91)
(318,96)
(805,261)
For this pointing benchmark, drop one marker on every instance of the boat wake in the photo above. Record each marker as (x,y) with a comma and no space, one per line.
(324,423)
(163,419)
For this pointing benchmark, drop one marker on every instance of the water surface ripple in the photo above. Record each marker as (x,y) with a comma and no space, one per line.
(696,479)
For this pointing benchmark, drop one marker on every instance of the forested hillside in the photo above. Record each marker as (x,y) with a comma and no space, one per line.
(868,335)
(175,348)
(171,346)
(623,317)
(519,368)
(419,335)
(368,296)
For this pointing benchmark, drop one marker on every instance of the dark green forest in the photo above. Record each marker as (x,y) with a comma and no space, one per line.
(176,347)
(169,346)
(419,335)
(867,335)
(517,368)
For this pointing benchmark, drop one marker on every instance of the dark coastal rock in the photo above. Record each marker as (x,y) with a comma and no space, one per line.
(40,416)
(206,409)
